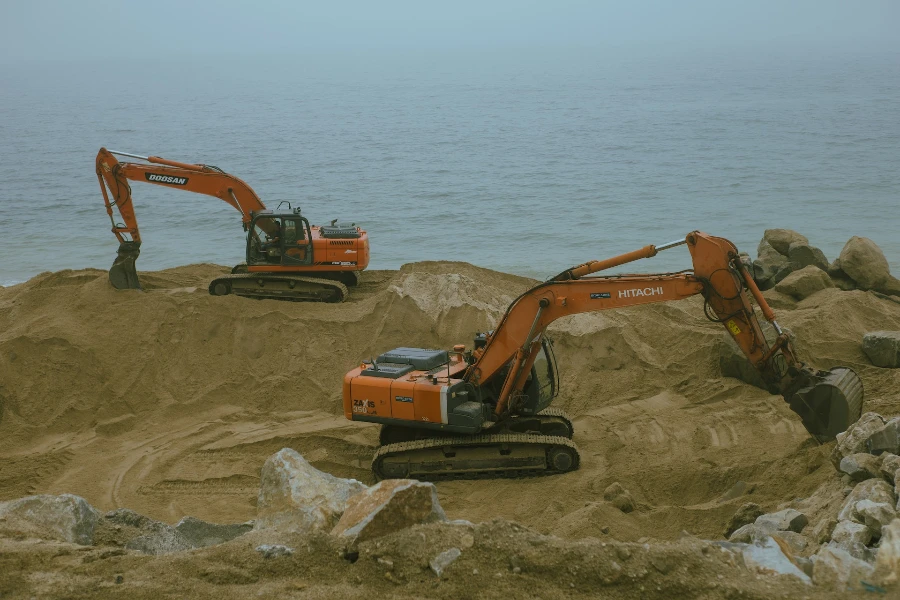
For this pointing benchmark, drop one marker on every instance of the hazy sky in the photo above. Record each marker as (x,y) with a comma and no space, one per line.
(77,29)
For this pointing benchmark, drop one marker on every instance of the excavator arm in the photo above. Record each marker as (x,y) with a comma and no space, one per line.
(827,402)
(202,179)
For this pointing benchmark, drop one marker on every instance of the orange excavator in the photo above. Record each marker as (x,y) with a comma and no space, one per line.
(486,411)
(287,258)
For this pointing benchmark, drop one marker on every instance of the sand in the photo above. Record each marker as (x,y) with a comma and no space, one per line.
(167,401)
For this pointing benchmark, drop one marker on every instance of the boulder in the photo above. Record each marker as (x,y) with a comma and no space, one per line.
(619,497)
(747,534)
(804,283)
(66,518)
(796,541)
(865,263)
(768,558)
(839,570)
(840,279)
(745,515)
(885,442)
(890,464)
(389,506)
(887,561)
(875,515)
(883,348)
(851,532)
(860,466)
(200,533)
(854,439)
(803,255)
(443,560)
(783,520)
(163,539)
(296,497)
(770,267)
(781,239)
(876,490)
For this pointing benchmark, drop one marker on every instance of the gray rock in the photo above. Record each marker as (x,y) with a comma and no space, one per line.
(803,255)
(770,267)
(804,283)
(443,560)
(890,464)
(294,496)
(164,539)
(850,532)
(781,239)
(200,533)
(865,263)
(883,348)
(768,558)
(886,440)
(860,466)
(854,439)
(747,534)
(783,520)
(839,570)
(876,490)
(274,550)
(745,515)
(887,561)
(389,506)
(875,515)
(66,518)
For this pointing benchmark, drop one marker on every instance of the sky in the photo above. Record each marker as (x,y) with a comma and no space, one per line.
(45,30)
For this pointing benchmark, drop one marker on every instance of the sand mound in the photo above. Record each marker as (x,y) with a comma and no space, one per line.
(168,401)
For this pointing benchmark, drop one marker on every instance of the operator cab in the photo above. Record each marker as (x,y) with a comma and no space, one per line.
(279,239)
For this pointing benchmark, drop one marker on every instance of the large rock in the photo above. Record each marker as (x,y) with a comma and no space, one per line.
(745,515)
(886,441)
(803,255)
(783,520)
(770,267)
(860,466)
(66,518)
(200,533)
(865,263)
(854,439)
(781,239)
(876,490)
(883,348)
(887,561)
(839,570)
(804,283)
(389,506)
(875,515)
(296,497)
(768,558)
(852,537)
(890,464)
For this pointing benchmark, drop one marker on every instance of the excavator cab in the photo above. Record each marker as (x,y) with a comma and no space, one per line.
(279,239)
(543,384)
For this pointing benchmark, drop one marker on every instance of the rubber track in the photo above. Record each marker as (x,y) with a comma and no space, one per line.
(478,440)
(269,277)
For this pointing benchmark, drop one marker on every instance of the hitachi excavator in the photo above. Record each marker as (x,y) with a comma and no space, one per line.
(486,411)
(287,258)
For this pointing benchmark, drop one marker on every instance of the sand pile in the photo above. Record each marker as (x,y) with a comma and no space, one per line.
(168,401)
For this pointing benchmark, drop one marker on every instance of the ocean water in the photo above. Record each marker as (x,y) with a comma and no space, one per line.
(525,162)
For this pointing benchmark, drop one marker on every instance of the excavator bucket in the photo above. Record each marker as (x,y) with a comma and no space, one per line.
(122,273)
(829,402)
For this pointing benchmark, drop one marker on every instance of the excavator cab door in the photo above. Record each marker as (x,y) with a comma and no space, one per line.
(543,384)
(296,242)
(279,240)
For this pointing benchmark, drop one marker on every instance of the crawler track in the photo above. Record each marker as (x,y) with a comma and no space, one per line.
(279,287)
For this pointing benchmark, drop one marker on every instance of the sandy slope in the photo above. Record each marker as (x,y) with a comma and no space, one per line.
(168,401)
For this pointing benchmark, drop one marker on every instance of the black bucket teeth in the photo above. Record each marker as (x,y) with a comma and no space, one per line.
(829,403)
(122,273)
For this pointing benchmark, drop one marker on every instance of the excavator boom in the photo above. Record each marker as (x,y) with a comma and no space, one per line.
(497,389)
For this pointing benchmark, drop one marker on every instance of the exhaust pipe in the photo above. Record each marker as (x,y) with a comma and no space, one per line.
(123,274)
(828,402)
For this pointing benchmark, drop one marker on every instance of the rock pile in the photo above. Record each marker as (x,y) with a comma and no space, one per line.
(787,262)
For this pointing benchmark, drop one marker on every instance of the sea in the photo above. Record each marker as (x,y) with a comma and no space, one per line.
(526,161)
